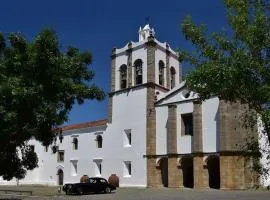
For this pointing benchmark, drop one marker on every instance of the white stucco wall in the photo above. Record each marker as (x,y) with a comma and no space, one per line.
(129,112)
(184,143)
(112,155)
(210,134)
(161,130)
(46,173)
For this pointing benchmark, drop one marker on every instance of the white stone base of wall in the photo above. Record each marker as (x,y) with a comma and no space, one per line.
(134,186)
(45,183)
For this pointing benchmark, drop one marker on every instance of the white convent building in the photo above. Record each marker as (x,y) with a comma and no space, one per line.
(157,134)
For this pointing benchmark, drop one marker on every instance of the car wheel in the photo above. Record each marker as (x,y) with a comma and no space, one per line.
(80,191)
(108,190)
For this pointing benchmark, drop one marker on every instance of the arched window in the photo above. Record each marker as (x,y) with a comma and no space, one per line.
(161,72)
(99,141)
(75,143)
(138,72)
(123,77)
(172,72)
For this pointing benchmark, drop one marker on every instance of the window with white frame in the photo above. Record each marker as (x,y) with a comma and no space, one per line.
(74,167)
(127,138)
(99,140)
(187,124)
(75,143)
(98,167)
(60,156)
(127,169)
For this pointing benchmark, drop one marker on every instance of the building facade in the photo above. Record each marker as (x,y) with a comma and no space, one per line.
(157,133)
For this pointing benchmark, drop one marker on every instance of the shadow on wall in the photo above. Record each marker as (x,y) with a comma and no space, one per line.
(163,166)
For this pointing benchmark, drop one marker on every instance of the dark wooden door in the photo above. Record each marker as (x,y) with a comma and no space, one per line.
(60,177)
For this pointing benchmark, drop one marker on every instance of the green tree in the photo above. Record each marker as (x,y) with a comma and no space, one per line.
(39,84)
(234,66)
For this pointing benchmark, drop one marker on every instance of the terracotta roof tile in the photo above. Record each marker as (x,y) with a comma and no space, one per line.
(85,125)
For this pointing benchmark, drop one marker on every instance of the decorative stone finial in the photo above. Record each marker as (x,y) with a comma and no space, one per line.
(146,32)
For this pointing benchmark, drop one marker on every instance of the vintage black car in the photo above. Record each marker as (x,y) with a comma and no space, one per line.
(95,185)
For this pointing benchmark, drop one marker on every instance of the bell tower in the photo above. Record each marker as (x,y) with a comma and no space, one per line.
(130,64)
(141,71)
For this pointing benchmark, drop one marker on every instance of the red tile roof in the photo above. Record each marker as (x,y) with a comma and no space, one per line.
(85,125)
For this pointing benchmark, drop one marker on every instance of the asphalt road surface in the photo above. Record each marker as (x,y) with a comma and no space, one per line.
(156,194)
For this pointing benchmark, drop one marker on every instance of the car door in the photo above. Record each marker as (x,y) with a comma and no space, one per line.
(86,187)
(92,185)
(102,184)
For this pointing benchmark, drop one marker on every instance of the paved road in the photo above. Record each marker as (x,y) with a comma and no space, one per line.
(160,194)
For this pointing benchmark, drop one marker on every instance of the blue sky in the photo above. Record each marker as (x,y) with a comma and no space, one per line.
(100,25)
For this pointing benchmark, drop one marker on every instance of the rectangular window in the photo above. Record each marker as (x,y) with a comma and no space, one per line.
(99,141)
(187,124)
(75,143)
(98,167)
(74,167)
(60,156)
(127,168)
(127,137)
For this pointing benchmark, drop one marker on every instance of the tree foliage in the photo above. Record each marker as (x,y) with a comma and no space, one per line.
(39,84)
(234,66)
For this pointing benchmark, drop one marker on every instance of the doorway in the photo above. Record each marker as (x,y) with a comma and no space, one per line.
(164,171)
(60,174)
(214,172)
(187,169)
